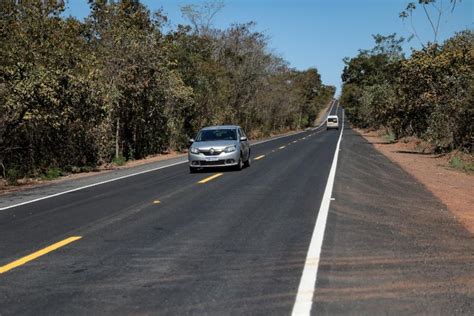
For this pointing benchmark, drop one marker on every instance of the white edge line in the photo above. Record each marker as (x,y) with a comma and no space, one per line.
(91,185)
(304,297)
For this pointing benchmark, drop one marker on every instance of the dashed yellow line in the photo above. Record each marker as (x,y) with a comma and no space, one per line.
(281,147)
(156,202)
(38,254)
(259,157)
(210,178)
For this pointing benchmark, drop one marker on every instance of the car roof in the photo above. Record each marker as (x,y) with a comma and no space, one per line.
(221,127)
(332,116)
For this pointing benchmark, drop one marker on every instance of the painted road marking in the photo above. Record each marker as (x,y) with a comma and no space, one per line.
(156,202)
(211,178)
(38,254)
(259,157)
(281,147)
(304,297)
(149,170)
(295,141)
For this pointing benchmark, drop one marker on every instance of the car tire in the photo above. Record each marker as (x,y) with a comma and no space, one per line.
(247,163)
(240,164)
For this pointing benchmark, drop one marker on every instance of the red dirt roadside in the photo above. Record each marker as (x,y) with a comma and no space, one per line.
(454,188)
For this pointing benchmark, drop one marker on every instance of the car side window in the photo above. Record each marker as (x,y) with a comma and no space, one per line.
(241,131)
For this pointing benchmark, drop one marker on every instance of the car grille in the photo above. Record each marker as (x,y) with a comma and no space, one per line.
(212,163)
(208,153)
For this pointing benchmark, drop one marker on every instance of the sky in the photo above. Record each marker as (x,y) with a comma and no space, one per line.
(317,33)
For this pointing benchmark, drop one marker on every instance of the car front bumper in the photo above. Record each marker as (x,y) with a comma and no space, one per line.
(222,160)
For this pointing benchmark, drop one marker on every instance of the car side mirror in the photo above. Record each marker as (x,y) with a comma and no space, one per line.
(191,141)
(243,139)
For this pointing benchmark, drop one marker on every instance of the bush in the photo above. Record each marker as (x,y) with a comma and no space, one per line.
(13,174)
(51,173)
(389,137)
(119,161)
(459,163)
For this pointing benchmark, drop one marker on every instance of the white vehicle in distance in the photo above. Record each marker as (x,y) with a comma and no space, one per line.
(332,122)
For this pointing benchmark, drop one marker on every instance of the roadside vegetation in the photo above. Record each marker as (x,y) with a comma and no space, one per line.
(428,95)
(123,84)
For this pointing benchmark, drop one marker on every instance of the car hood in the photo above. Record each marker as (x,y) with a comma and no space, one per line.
(218,144)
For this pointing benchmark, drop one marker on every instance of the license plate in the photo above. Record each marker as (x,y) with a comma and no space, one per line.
(212,158)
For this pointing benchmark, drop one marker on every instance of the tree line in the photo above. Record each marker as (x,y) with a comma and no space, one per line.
(117,86)
(429,95)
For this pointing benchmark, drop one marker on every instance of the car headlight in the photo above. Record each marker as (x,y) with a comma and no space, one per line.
(230,149)
(194,150)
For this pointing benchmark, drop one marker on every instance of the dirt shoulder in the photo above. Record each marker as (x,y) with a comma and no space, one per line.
(453,187)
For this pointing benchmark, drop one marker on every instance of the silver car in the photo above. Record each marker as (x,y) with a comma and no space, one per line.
(219,146)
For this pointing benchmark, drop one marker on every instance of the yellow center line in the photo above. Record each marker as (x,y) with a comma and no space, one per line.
(259,157)
(156,202)
(210,178)
(38,254)
(282,147)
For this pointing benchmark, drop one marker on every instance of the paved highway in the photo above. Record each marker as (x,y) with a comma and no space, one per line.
(215,242)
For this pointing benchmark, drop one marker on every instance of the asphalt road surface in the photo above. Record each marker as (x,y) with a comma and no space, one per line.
(228,242)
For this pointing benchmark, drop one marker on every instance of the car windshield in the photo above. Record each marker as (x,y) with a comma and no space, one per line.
(216,134)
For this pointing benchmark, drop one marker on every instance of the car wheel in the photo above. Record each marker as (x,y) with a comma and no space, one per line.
(240,165)
(192,170)
(247,163)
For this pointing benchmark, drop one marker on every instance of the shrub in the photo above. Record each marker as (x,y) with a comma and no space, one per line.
(13,174)
(51,173)
(119,161)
